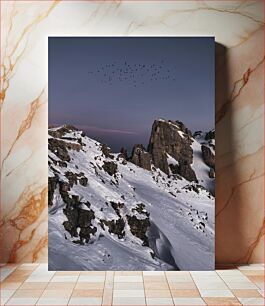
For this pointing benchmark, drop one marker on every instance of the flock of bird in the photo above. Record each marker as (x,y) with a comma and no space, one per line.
(132,73)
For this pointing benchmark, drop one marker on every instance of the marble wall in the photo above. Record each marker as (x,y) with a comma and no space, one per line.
(238,27)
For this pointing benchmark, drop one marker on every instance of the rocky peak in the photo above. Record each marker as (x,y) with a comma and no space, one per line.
(140,157)
(172,138)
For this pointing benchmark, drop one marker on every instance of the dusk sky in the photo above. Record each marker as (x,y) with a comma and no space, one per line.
(114,88)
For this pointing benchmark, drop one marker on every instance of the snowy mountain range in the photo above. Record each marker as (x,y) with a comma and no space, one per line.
(153,210)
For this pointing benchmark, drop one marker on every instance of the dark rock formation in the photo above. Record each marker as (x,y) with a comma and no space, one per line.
(106,151)
(208,156)
(210,135)
(139,228)
(184,169)
(79,218)
(140,157)
(83,181)
(173,138)
(60,148)
(59,133)
(115,226)
(123,154)
(52,184)
(211,173)
(117,207)
(110,167)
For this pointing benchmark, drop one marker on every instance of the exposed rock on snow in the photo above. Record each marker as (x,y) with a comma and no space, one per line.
(208,156)
(140,157)
(173,138)
(107,213)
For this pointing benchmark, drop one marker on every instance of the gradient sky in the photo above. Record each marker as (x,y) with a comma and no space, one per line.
(107,87)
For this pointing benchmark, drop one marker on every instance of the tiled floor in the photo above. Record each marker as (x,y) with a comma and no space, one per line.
(33,284)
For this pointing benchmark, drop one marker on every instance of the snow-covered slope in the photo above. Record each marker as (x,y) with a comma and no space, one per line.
(106,213)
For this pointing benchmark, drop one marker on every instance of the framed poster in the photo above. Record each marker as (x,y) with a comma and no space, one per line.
(131,153)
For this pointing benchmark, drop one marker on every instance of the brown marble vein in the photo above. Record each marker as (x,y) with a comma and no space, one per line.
(26,123)
(234,189)
(32,207)
(6,76)
(246,258)
(238,86)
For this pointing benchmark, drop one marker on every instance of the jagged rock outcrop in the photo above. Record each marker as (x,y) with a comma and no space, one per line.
(208,156)
(110,167)
(106,151)
(173,138)
(79,218)
(123,154)
(139,226)
(211,173)
(210,135)
(140,157)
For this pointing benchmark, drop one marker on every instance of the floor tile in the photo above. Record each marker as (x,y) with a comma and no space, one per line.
(56,294)
(260,285)
(188,301)
(128,279)
(60,286)
(235,279)
(22,301)
(87,293)
(215,301)
(107,297)
(251,267)
(154,278)
(232,272)
(85,301)
(253,272)
(3,300)
(128,301)
(256,278)
(241,285)
(156,285)
(91,278)
(39,278)
(251,301)
(53,301)
(246,293)
(7,293)
(182,286)
(31,293)
(64,279)
(159,301)
(216,293)
(157,293)
(184,293)
(10,286)
(261,292)
(211,285)
(203,273)
(33,286)
(68,273)
(179,279)
(129,286)
(98,273)
(129,273)
(5,271)
(178,273)
(128,293)
(155,273)
(89,285)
